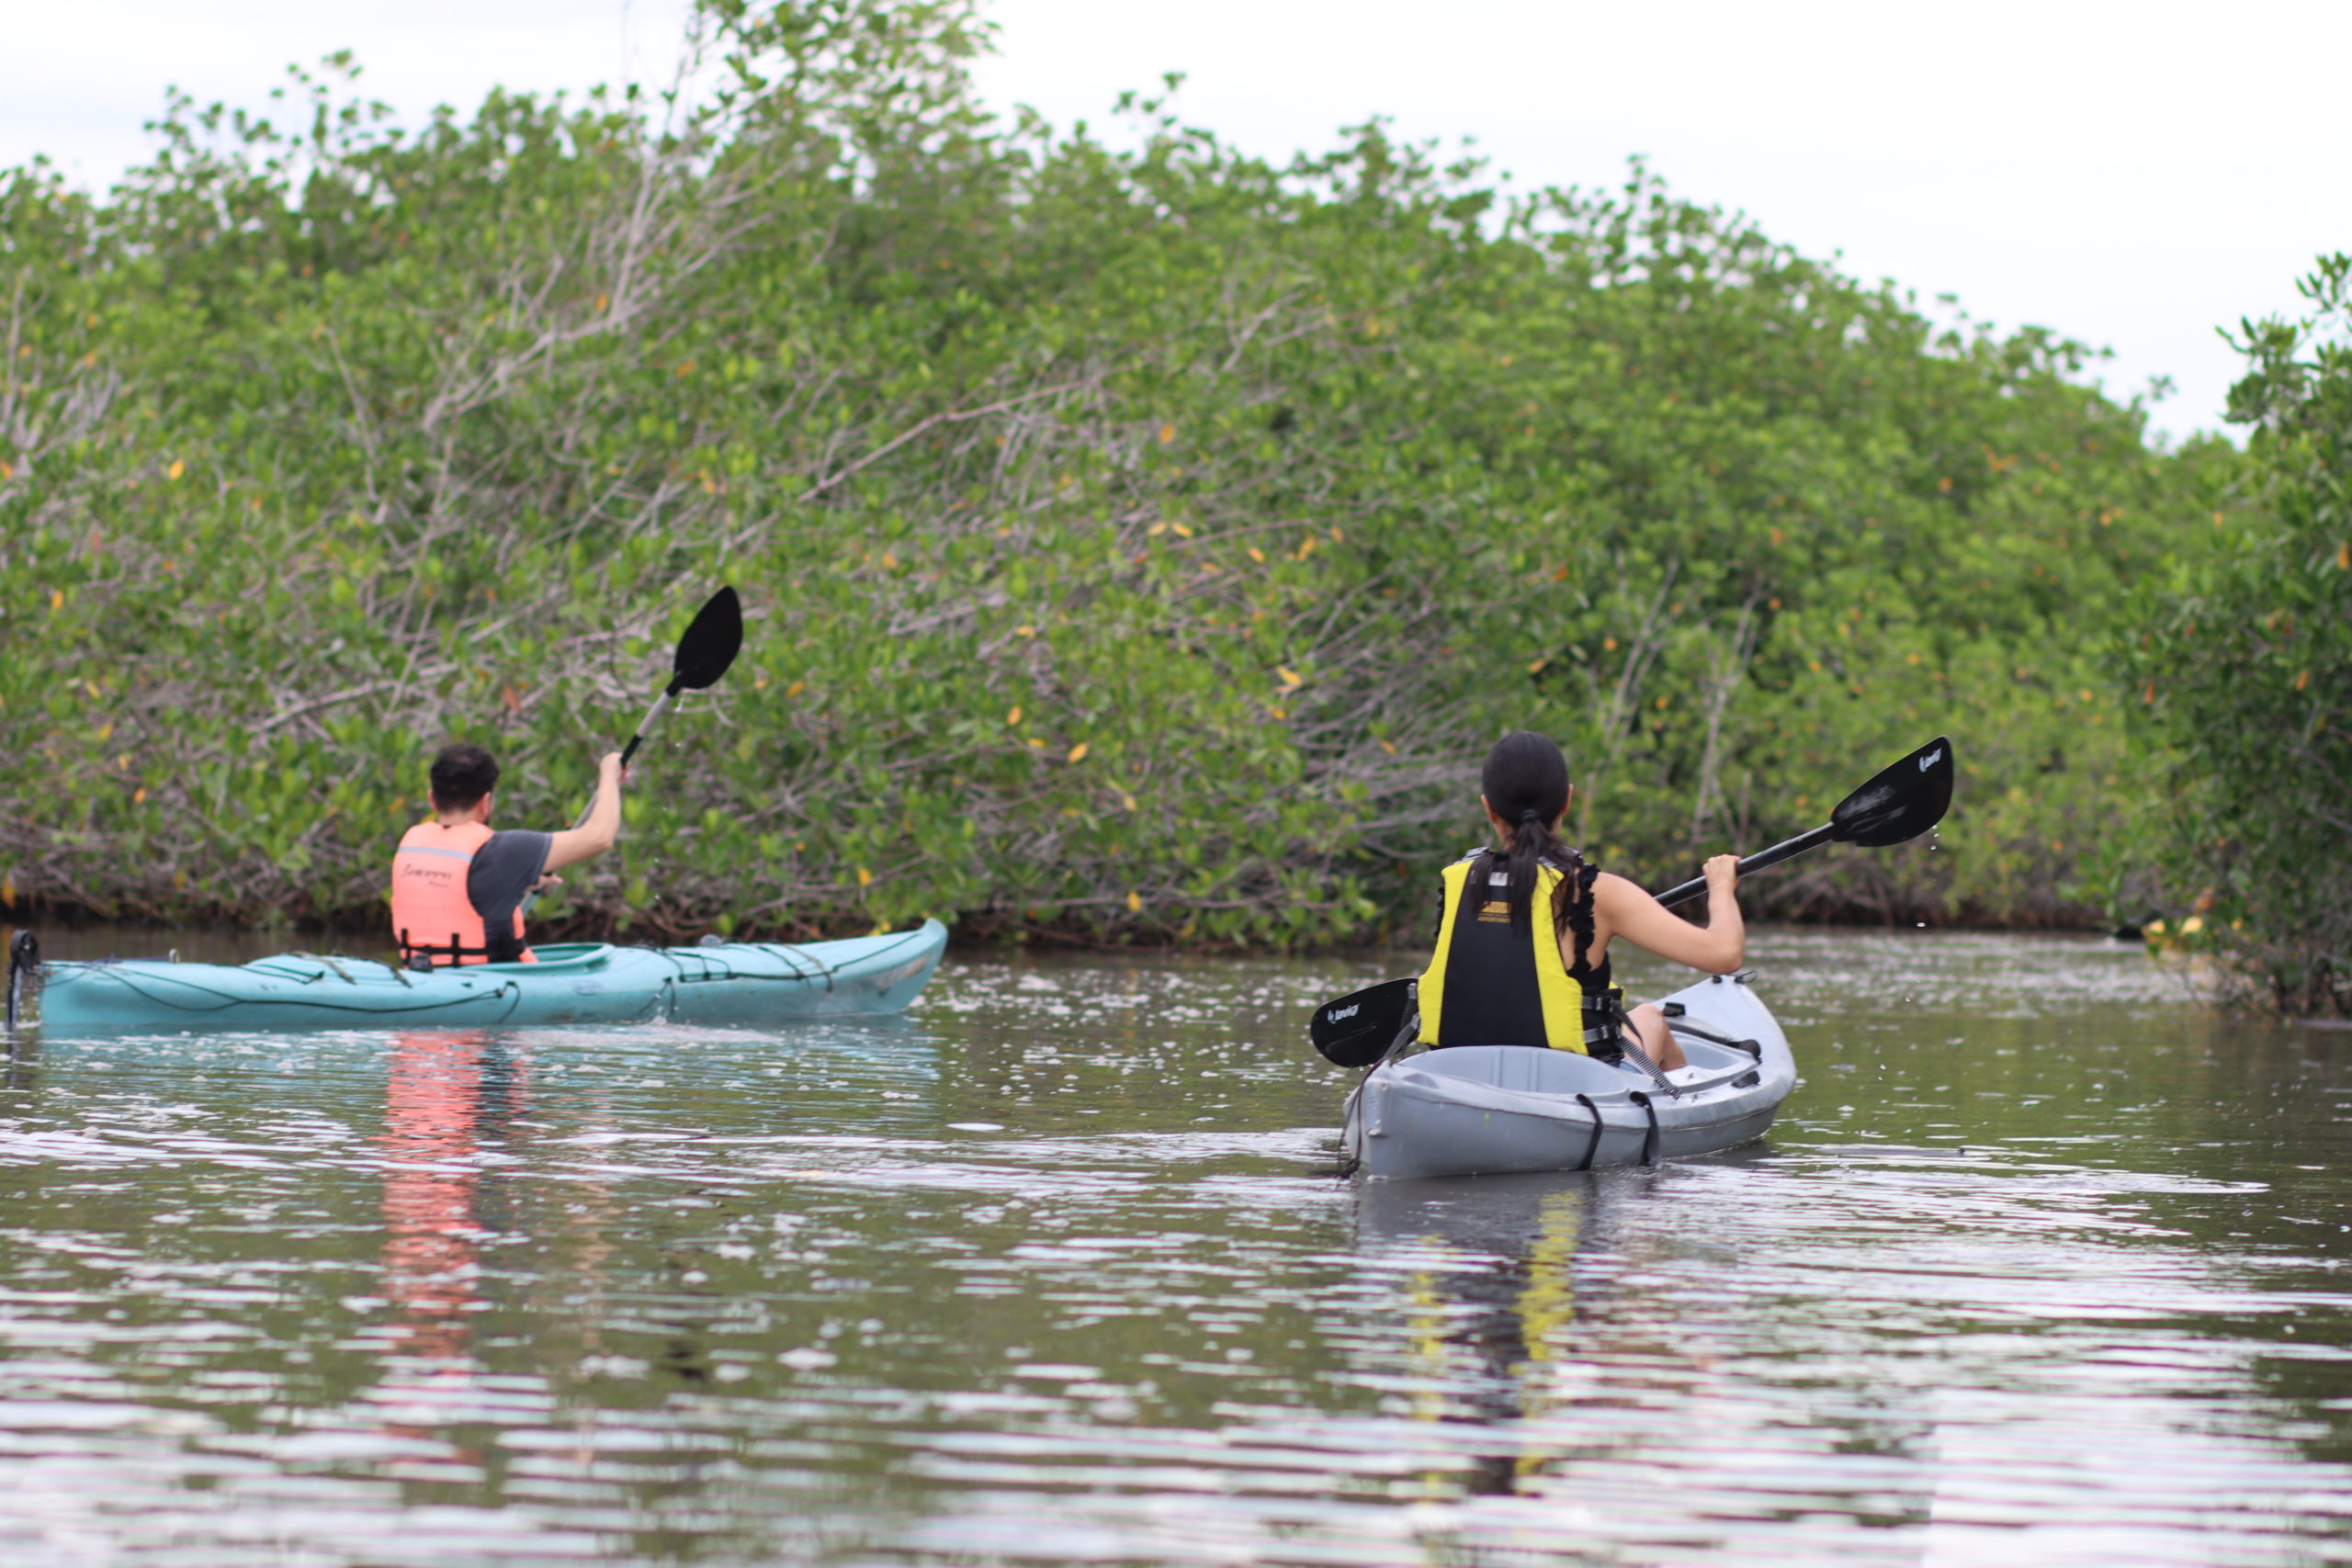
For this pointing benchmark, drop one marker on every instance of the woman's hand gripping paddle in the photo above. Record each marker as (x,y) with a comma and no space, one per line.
(709,646)
(1901,803)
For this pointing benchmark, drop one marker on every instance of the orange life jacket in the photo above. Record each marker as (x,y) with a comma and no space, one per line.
(429,901)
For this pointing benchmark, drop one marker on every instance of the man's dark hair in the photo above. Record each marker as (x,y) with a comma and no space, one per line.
(462,775)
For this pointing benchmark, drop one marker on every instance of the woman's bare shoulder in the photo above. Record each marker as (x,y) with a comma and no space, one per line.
(1609,886)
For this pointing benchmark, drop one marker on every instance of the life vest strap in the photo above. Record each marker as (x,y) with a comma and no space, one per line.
(1604,1032)
(432,953)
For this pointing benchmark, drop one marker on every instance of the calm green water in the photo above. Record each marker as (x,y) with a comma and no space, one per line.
(2044,1263)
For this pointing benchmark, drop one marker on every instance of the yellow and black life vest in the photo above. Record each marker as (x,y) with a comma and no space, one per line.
(1489,984)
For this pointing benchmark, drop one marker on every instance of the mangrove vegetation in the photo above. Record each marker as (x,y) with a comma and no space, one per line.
(1140,540)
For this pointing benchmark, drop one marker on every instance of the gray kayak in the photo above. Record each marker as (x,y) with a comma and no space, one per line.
(1492,1110)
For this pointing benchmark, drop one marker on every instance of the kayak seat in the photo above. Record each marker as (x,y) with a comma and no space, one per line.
(1524,1069)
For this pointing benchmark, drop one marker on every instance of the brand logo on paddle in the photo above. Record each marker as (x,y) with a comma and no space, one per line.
(1336,1014)
(1931,759)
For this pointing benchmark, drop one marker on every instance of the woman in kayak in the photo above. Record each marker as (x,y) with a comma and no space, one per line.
(457,887)
(1503,976)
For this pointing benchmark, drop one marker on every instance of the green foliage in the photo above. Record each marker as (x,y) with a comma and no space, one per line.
(2245,664)
(1144,544)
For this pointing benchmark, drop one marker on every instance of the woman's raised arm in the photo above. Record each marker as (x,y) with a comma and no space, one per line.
(1621,909)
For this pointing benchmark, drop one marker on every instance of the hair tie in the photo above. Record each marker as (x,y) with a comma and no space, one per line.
(1532,815)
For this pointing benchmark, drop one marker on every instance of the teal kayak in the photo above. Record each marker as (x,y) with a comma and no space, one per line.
(739,982)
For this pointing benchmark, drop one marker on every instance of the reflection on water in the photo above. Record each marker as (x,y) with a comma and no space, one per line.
(2042,1263)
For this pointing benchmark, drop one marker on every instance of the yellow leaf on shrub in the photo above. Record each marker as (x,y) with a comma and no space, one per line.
(138,796)
(1135,902)
(1077,752)
(1015,717)
(177,470)
(9,892)
(1257,555)
(2343,552)
(2303,679)
(796,688)
(1290,677)
(1166,433)
(57,598)
(864,877)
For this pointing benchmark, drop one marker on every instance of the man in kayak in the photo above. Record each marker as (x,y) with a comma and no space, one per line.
(458,887)
(1503,976)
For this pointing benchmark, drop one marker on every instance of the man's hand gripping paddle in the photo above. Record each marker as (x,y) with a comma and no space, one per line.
(709,646)
(1901,803)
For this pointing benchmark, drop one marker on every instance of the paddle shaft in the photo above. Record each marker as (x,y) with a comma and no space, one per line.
(1787,848)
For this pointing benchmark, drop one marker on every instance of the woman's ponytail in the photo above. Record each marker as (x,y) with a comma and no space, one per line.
(1530,844)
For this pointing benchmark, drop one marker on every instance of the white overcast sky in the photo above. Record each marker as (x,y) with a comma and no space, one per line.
(2131,175)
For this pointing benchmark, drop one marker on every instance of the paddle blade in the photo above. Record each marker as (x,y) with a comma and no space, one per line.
(1901,803)
(710,643)
(1357,1030)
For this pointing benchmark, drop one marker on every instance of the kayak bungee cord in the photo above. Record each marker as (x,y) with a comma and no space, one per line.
(1592,1149)
(129,980)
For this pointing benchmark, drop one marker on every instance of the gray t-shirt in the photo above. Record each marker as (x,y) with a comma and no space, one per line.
(508,865)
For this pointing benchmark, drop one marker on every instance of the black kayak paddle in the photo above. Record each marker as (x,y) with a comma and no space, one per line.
(1357,1030)
(1900,803)
(708,646)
